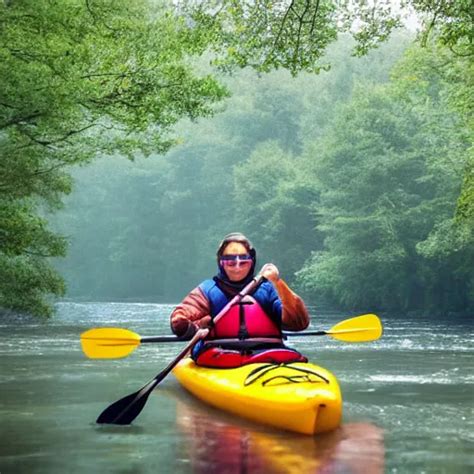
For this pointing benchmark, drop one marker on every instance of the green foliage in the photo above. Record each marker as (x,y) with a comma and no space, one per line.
(25,281)
(364,181)
(439,75)
(151,230)
(266,34)
(365,214)
(79,80)
(273,34)
(451,21)
(26,244)
(465,207)
(272,200)
(269,34)
(390,169)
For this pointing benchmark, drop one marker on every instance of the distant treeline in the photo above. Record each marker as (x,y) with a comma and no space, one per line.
(348,180)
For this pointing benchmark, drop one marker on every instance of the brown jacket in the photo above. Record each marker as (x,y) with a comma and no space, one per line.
(196,308)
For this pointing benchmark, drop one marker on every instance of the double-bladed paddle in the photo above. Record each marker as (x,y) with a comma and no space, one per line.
(113,343)
(125,410)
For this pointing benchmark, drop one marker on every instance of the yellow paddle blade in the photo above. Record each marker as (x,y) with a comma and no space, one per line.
(109,343)
(359,329)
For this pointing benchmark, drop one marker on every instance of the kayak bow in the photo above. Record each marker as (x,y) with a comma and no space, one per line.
(300,397)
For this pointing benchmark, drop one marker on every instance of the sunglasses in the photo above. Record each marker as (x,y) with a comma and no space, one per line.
(233,260)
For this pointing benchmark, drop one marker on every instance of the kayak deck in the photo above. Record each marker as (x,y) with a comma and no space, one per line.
(300,397)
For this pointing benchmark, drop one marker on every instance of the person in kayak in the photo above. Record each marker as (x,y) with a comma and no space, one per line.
(251,331)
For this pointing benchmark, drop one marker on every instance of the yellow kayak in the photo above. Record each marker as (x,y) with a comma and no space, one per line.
(300,397)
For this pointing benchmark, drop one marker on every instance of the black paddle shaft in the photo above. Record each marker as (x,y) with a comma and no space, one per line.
(170,338)
(125,410)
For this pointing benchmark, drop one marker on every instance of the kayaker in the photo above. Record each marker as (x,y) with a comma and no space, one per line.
(251,331)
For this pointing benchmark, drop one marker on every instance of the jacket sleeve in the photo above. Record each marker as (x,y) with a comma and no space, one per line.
(192,309)
(294,315)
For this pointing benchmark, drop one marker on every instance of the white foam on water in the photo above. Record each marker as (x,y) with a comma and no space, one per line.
(439,378)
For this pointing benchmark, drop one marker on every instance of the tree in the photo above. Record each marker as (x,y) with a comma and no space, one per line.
(272,34)
(389,169)
(79,80)
(150,228)
(437,74)
(86,79)
(273,200)
(295,35)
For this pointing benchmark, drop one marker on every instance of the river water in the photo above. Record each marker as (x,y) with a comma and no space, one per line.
(408,403)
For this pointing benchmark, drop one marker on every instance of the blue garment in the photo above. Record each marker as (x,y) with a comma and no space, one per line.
(265,294)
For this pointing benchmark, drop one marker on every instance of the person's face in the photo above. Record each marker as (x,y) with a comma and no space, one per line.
(236,270)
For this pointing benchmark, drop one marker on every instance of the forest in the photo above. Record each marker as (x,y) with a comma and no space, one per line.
(349,164)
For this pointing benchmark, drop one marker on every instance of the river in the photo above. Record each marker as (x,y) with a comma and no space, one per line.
(408,402)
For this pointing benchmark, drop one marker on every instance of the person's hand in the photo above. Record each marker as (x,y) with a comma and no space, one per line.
(194,326)
(204,323)
(270,272)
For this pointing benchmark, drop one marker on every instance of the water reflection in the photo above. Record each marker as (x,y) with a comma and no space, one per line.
(219,443)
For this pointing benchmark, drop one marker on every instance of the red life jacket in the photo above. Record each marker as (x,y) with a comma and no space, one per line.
(245,323)
(246,320)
